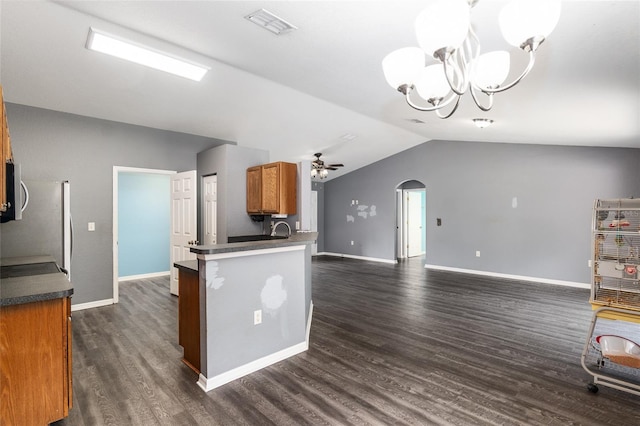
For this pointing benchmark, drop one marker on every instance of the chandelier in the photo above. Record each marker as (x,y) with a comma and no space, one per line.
(444,32)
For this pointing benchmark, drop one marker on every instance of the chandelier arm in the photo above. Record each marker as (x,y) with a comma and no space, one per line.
(455,107)
(457,71)
(436,106)
(477,102)
(532,60)
(472,51)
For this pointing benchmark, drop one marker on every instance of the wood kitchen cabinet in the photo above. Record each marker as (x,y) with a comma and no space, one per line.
(35,339)
(271,189)
(5,151)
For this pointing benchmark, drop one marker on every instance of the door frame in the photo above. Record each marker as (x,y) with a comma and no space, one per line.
(407,235)
(116,172)
(400,240)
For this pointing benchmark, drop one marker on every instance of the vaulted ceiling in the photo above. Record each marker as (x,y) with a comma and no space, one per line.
(315,88)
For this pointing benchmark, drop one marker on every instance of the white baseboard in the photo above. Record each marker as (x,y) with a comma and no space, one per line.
(89,305)
(509,276)
(351,256)
(143,276)
(208,384)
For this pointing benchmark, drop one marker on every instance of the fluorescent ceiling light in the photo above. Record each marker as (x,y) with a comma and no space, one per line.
(120,48)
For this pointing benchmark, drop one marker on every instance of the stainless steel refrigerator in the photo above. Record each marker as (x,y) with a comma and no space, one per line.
(45,228)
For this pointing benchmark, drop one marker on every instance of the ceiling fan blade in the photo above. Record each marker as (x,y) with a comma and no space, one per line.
(336,165)
(330,168)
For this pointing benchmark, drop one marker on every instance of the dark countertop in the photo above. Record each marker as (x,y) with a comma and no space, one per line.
(21,287)
(187,265)
(294,240)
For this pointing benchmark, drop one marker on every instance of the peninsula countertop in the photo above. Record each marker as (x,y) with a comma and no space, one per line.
(20,286)
(294,240)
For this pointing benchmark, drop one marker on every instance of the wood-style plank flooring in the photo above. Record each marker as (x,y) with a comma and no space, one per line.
(390,344)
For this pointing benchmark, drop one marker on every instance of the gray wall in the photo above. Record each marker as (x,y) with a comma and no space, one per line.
(53,145)
(230,164)
(471,187)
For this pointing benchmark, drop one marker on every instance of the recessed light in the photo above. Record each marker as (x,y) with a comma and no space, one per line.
(124,49)
(482,122)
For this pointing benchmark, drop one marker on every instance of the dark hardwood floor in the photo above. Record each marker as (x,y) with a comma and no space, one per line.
(390,344)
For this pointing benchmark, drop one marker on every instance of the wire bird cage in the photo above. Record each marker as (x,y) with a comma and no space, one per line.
(611,354)
(616,254)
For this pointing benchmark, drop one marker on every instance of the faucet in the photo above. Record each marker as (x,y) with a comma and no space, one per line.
(273,229)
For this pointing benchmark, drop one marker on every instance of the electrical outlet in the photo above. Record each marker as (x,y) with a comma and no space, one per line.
(589,263)
(351,242)
(297,225)
(477,253)
(257,317)
(91,226)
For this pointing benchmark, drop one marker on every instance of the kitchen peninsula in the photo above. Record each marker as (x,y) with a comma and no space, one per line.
(253,306)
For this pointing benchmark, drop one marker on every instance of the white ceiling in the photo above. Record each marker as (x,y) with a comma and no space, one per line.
(299,93)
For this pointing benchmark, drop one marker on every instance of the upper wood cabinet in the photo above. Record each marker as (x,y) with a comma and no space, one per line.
(5,150)
(271,188)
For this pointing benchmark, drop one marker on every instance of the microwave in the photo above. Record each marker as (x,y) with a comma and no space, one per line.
(14,194)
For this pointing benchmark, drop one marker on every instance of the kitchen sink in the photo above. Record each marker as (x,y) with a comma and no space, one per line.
(245,238)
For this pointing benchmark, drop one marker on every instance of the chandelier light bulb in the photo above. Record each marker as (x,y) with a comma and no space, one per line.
(443,24)
(314,173)
(521,20)
(432,83)
(403,65)
(491,69)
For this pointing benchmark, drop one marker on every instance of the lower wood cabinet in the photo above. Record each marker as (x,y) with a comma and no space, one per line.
(35,362)
(189,317)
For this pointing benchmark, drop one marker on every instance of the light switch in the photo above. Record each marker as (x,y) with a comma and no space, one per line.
(92,226)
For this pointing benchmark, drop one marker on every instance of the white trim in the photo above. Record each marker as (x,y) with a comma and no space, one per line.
(89,305)
(509,276)
(208,384)
(67,228)
(143,276)
(351,256)
(114,215)
(309,322)
(246,253)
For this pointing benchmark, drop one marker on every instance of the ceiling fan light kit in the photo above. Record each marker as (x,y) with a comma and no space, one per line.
(321,170)
(444,32)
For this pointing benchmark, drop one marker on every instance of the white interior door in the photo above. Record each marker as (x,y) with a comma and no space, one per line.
(415,214)
(210,199)
(184,217)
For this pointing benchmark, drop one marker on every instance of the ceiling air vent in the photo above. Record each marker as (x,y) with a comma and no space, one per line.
(271,22)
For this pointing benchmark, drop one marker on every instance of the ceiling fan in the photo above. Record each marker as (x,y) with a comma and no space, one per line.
(318,168)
